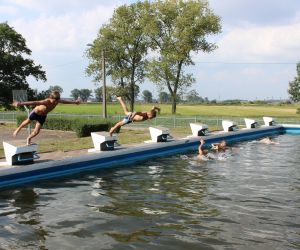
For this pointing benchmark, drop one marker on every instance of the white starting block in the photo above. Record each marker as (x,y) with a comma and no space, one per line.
(250,123)
(199,129)
(229,125)
(17,153)
(268,121)
(103,141)
(159,134)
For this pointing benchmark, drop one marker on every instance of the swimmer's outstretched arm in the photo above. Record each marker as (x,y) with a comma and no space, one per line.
(30,103)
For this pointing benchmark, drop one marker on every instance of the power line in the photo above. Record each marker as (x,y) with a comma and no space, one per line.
(270,63)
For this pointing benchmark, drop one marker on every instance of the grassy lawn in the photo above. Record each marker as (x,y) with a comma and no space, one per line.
(189,110)
(130,136)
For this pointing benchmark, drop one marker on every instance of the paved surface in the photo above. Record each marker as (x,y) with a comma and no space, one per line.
(45,134)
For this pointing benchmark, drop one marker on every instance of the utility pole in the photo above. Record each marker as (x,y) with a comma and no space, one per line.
(104,109)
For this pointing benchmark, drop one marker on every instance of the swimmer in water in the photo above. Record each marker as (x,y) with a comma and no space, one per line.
(220,147)
(268,140)
(39,113)
(203,154)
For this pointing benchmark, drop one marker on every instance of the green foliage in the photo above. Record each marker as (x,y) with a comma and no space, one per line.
(294,86)
(82,127)
(177,29)
(75,93)
(55,88)
(125,45)
(83,94)
(14,67)
(147,96)
(110,93)
(194,97)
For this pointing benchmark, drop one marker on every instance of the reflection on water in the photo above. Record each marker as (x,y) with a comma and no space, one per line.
(248,199)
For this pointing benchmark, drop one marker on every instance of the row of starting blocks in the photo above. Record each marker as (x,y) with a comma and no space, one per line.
(17,153)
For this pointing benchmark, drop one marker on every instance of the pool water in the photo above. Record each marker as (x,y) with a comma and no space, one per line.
(247,198)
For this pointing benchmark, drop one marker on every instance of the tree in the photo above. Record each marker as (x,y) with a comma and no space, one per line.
(85,94)
(147,96)
(75,94)
(194,97)
(294,86)
(164,97)
(125,44)
(110,92)
(178,28)
(56,88)
(14,67)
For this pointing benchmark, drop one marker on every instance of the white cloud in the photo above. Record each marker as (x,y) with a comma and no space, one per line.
(66,32)
(8,10)
(258,44)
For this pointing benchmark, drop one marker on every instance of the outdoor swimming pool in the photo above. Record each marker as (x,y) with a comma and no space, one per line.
(248,199)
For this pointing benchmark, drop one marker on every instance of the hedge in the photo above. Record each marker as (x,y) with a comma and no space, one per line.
(82,127)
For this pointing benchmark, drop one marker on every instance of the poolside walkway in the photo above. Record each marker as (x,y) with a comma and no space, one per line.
(6,135)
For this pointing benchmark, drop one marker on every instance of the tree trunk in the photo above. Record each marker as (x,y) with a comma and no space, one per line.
(173,105)
(132,90)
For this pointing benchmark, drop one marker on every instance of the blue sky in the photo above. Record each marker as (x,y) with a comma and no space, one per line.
(256,58)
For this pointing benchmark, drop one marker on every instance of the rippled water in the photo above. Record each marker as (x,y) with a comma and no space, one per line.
(248,199)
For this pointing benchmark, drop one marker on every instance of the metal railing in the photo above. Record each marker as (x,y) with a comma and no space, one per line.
(165,121)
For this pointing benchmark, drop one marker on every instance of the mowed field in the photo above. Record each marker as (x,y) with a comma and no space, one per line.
(128,136)
(281,111)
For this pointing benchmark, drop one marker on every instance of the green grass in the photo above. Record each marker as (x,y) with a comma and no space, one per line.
(128,136)
(189,110)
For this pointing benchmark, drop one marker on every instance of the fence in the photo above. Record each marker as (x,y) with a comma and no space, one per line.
(214,123)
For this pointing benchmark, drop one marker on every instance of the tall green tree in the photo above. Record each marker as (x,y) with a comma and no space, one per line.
(294,86)
(85,94)
(110,92)
(147,96)
(75,93)
(164,97)
(15,67)
(177,29)
(56,88)
(125,45)
(194,97)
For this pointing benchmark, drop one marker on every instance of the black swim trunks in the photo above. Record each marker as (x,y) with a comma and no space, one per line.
(39,118)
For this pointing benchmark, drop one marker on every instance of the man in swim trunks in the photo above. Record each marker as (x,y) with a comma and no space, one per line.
(133,116)
(39,113)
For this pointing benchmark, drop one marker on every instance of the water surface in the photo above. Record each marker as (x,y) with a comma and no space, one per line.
(248,198)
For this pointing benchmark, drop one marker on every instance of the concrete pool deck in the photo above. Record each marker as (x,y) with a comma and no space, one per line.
(57,164)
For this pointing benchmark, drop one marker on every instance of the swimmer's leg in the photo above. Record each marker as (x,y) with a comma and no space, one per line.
(34,133)
(114,128)
(22,125)
(126,112)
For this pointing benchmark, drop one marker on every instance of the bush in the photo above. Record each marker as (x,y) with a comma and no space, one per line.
(83,127)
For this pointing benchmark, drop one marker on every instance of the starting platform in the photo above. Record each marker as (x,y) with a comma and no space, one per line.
(18,153)
(18,169)
(103,141)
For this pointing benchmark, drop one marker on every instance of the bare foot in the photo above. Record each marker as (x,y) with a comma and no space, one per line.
(119,98)
(28,141)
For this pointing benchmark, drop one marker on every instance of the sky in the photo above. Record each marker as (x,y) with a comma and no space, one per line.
(256,58)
